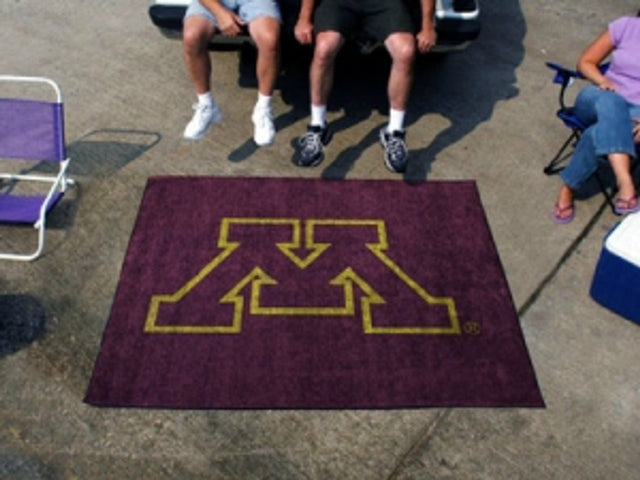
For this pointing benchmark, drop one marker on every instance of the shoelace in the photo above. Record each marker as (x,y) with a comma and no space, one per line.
(264,116)
(311,141)
(201,112)
(200,108)
(395,147)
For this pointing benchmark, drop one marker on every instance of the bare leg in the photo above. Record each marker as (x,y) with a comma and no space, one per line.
(328,44)
(621,165)
(196,36)
(322,66)
(265,31)
(401,47)
(565,197)
(564,209)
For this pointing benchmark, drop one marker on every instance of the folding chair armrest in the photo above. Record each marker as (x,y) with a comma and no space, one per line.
(565,78)
(563,75)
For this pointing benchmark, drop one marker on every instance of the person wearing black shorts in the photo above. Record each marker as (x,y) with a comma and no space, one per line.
(387,21)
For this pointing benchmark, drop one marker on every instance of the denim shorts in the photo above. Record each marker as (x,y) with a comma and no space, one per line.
(248,10)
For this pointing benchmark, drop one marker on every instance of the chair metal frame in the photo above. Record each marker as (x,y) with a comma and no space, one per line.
(58,183)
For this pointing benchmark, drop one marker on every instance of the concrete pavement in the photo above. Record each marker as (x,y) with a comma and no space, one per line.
(486,114)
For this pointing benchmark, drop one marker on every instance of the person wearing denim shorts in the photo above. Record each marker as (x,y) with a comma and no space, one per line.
(206,18)
(610,108)
(387,21)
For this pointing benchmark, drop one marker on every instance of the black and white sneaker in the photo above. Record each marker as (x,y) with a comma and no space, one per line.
(396,154)
(312,146)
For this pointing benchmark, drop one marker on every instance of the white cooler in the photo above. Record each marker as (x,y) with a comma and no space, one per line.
(616,281)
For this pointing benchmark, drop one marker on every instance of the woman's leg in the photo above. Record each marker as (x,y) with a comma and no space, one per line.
(621,166)
(610,117)
(584,161)
(564,209)
(607,137)
(609,114)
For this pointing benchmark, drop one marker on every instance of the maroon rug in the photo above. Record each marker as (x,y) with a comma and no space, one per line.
(275,293)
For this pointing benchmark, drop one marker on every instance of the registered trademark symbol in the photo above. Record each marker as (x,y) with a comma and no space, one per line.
(471,328)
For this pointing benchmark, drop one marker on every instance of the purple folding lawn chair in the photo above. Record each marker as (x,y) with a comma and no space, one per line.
(32,132)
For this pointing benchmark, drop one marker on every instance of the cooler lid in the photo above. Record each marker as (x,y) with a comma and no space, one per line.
(624,240)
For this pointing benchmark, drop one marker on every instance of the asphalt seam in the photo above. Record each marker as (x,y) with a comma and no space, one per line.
(423,439)
(428,432)
(563,259)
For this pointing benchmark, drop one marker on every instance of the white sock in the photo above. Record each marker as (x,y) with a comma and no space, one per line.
(318,114)
(264,101)
(396,120)
(205,98)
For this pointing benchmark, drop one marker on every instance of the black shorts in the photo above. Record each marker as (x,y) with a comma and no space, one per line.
(375,18)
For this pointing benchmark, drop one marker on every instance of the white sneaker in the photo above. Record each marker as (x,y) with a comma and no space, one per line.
(264,131)
(203,118)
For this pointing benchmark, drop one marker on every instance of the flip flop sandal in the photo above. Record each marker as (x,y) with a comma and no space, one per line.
(627,205)
(558,212)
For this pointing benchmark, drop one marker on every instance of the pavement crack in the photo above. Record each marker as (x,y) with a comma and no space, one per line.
(563,259)
(423,439)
